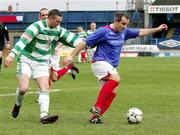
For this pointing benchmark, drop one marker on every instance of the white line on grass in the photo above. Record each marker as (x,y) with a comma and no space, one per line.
(15,88)
(31,92)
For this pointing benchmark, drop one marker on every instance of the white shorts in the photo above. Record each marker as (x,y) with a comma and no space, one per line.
(102,69)
(31,68)
(54,61)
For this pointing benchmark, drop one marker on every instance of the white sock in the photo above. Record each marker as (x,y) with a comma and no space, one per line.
(69,71)
(44,102)
(19,97)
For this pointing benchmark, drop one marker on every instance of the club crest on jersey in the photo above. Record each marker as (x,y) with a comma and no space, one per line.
(122,35)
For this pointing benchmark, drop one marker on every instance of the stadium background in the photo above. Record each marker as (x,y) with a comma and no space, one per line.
(143,13)
(149,83)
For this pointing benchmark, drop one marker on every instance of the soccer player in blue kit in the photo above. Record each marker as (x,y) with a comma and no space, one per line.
(109,41)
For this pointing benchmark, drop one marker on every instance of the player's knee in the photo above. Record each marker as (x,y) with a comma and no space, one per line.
(54,76)
(54,80)
(23,89)
(116,78)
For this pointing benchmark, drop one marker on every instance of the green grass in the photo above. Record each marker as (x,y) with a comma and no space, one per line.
(151,84)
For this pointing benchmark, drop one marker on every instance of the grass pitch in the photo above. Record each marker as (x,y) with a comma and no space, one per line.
(151,84)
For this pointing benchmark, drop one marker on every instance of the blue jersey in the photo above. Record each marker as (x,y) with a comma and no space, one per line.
(109,43)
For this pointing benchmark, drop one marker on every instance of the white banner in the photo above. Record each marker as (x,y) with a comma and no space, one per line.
(140,48)
(129,54)
(164,9)
(19,18)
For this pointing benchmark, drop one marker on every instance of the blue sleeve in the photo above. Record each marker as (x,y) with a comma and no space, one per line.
(131,33)
(95,37)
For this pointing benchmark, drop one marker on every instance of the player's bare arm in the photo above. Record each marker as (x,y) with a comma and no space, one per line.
(77,49)
(145,32)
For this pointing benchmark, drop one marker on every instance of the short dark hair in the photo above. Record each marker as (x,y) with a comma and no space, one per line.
(118,16)
(54,12)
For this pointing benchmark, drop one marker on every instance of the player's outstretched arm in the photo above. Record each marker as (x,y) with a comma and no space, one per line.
(145,32)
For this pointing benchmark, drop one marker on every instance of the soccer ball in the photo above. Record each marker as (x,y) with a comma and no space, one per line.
(134,116)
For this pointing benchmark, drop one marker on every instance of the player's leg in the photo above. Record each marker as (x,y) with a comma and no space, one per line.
(56,74)
(104,100)
(41,77)
(107,93)
(82,56)
(110,80)
(23,74)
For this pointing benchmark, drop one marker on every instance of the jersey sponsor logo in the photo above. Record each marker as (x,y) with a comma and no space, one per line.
(111,33)
(123,35)
(27,36)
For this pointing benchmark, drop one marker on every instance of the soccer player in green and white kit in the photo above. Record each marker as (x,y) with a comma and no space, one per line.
(54,62)
(34,50)
(90,31)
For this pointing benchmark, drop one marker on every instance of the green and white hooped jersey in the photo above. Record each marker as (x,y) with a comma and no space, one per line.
(38,41)
(82,34)
(89,32)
